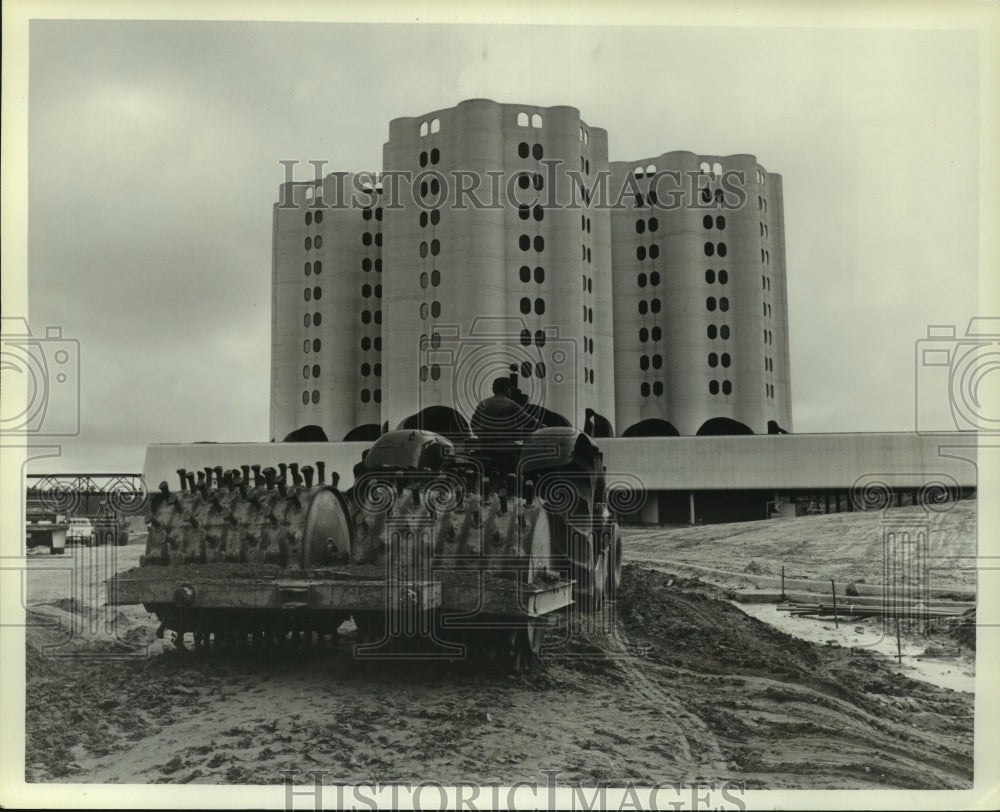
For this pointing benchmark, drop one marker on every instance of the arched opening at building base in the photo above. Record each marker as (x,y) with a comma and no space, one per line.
(652,427)
(441,420)
(307,434)
(368,432)
(722,426)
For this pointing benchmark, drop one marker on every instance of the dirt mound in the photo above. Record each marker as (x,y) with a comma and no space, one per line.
(693,624)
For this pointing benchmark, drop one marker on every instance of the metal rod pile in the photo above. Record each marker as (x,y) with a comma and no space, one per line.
(839,608)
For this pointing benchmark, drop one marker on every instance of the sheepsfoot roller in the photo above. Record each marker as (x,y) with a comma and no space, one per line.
(438,550)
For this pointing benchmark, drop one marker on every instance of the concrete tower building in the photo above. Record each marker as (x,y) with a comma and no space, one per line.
(701,332)
(326,313)
(479,250)
(472,289)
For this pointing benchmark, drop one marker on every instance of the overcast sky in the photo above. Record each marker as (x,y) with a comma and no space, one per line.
(154,162)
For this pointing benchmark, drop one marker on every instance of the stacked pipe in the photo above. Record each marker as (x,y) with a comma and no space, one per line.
(229,516)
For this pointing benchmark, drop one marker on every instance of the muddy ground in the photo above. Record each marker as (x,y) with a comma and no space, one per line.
(675,684)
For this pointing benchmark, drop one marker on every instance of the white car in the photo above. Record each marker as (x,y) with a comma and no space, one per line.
(80,531)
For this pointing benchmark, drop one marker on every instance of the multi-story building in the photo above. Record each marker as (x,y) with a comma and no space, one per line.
(497,241)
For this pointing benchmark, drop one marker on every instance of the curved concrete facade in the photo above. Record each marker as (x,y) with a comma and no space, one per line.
(326,313)
(701,328)
(466,281)
(485,243)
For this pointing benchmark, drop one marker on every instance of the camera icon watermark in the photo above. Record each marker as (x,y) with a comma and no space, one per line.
(953,377)
(461,367)
(41,381)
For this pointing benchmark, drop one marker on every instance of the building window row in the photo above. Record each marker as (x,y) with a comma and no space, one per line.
(769,390)
(713,387)
(763,230)
(767,310)
(641,252)
(367,369)
(434,217)
(654,361)
(314,268)
(718,332)
(526,306)
(369,344)
(316,218)
(640,225)
(586,254)
(367,290)
(310,396)
(535,151)
(761,203)
(710,169)
(527,180)
(651,198)
(761,177)
(588,315)
(312,371)
(722,304)
(588,284)
(367,239)
(312,293)
(714,359)
(433,188)
(719,222)
(584,223)
(434,310)
(588,375)
(767,337)
(432,127)
(526,369)
(367,212)
(584,136)
(315,345)
(722,276)
(434,247)
(312,319)
(524,212)
(525,243)
(584,165)
(523,120)
(313,242)
(434,279)
(368,395)
(715,248)
(768,364)
(765,283)
(707,195)
(366,265)
(653,279)
(642,171)
(645,335)
(525,274)
(367,317)
(588,345)
(434,156)
(656,389)
(433,372)
(538,338)
(653,306)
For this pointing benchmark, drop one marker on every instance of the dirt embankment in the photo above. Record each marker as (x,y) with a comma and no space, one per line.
(673,684)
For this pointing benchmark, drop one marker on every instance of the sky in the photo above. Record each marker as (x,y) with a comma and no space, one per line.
(154,154)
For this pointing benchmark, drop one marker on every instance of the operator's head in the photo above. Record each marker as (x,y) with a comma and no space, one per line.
(501,386)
